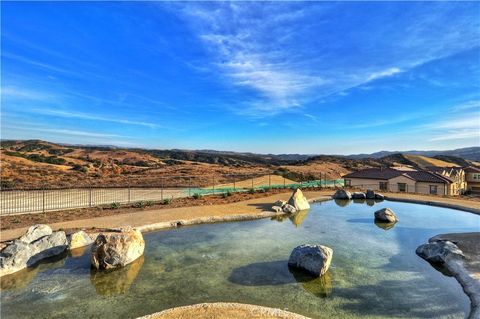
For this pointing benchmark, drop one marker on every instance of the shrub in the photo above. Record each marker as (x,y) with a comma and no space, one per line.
(149,203)
(251,191)
(140,204)
(197,196)
(226,194)
(166,201)
(115,205)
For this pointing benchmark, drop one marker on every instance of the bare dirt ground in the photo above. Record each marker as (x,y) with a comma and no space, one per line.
(222,310)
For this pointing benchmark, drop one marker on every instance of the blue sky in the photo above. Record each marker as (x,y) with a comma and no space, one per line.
(300,77)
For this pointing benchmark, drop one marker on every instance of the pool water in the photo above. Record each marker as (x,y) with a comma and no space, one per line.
(375,272)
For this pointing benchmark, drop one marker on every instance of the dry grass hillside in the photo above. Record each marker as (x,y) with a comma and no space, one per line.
(42,164)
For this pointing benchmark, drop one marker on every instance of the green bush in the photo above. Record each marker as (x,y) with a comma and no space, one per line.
(115,205)
(251,191)
(197,196)
(140,204)
(166,201)
(226,194)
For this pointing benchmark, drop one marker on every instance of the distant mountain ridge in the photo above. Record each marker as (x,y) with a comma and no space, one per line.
(470,153)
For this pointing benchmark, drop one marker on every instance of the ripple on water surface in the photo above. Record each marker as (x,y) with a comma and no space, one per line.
(374,272)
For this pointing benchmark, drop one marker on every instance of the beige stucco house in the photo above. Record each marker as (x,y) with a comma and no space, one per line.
(411,181)
(472,178)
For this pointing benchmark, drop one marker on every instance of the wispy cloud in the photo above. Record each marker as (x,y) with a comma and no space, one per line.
(33,127)
(85,116)
(264,48)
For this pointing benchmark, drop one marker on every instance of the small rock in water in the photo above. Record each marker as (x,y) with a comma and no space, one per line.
(314,259)
(342,194)
(79,239)
(370,194)
(385,215)
(359,195)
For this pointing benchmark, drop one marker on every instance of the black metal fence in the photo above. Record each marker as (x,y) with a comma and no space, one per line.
(29,200)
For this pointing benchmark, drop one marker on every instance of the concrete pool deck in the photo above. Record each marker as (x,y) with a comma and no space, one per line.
(148,220)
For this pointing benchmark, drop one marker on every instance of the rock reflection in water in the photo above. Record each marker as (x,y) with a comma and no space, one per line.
(115,282)
(342,202)
(22,278)
(79,252)
(385,226)
(320,286)
(298,218)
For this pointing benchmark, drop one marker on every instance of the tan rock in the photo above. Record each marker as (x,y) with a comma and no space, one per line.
(298,200)
(117,249)
(79,239)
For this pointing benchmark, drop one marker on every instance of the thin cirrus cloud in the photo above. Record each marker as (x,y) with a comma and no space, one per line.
(85,116)
(265,48)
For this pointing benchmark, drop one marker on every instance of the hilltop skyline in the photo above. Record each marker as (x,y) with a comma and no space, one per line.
(310,78)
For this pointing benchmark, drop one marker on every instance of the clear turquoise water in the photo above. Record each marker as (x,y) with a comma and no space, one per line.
(375,272)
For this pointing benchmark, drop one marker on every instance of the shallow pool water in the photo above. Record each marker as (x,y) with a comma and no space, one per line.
(375,272)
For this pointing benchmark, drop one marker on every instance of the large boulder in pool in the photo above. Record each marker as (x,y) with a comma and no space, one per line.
(117,249)
(313,259)
(21,254)
(438,252)
(385,215)
(342,194)
(298,200)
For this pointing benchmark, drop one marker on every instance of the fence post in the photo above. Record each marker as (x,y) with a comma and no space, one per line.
(284,183)
(128,193)
(233,182)
(252,182)
(269,181)
(189,185)
(161,188)
(213,184)
(43,199)
(90,197)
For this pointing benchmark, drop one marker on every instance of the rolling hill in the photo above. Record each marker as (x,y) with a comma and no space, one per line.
(35,163)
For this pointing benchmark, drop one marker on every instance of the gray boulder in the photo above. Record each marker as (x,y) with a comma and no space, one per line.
(342,194)
(385,215)
(289,209)
(438,252)
(298,200)
(359,195)
(35,232)
(370,194)
(314,259)
(19,254)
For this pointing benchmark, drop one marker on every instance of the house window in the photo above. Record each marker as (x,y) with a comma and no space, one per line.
(433,189)
(383,186)
(402,187)
(348,182)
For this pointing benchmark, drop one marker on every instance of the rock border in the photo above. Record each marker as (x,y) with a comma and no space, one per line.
(254,310)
